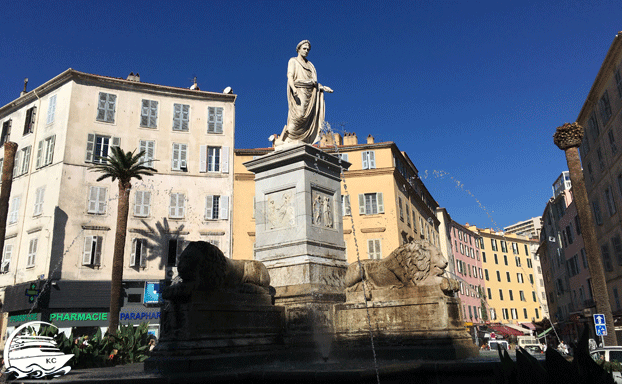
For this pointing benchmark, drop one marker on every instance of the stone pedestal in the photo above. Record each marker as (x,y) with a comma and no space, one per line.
(419,322)
(299,233)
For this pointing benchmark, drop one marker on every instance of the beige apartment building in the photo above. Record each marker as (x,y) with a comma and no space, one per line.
(384,202)
(514,290)
(61,222)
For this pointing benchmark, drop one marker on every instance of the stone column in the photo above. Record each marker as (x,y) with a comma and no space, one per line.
(10,148)
(299,232)
(568,138)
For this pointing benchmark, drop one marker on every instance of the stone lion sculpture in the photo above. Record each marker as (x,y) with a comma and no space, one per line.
(412,264)
(203,267)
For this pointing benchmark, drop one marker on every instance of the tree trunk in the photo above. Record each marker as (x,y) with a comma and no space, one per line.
(117,260)
(10,149)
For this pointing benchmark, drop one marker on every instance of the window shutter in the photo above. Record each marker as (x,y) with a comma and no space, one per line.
(181,205)
(146,203)
(372,159)
(97,259)
(144,114)
(224,160)
(101,106)
(203,159)
(219,120)
(26,159)
(50,150)
(51,109)
(143,253)
(6,259)
(176,117)
(224,208)
(93,193)
(32,252)
(365,162)
(378,249)
(110,107)
(150,152)
(16,164)
(209,202)
(183,155)
(361,204)
(90,147)
(185,117)
(173,205)
(138,203)
(211,120)
(39,154)
(133,251)
(370,249)
(102,200)
(40,192)
(175,164)
(116,142)
(380,202)
(14,209)
(153,114)
(88,248)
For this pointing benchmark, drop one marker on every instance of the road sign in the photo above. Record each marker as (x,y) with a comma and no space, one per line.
(601,330)
(492,335)
(599,319)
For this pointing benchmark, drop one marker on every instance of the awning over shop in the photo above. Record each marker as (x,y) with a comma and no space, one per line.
(505,330)
(545,333)
(519,328)
(529,325)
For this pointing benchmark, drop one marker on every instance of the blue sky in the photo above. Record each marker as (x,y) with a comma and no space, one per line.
(472,91)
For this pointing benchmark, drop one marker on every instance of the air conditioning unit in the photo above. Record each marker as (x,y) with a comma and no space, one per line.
(182,164)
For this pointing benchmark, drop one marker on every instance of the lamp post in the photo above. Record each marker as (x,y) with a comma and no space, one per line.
(568,138)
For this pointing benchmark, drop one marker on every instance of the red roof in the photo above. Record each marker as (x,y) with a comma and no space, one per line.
(505,331)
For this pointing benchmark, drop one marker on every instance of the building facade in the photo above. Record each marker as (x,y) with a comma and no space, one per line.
(384,202)
(530,228)
(61,222)
(602,167)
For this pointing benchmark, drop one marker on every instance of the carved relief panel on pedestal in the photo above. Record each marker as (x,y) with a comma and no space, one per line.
(323,209)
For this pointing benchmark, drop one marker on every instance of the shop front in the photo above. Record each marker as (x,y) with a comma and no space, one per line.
(23,303)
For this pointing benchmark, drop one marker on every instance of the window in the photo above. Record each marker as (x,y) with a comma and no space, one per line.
(142,203)
(612,142)
(526,250)
(214,119)
(399,203)
(511,294)
(515,248)
(504,246)
(97,200)
(597,216)
(6,131)
(583,258)
(180,156)
(481,276)
(514,314)
(507,275)
(519,277)
(6,258)
(601,159)
(617,248)
(505,259)
(92,250)
(496,259)
(569,234)
(493,243)
(374,250)
(214,159)
(585,145)
(32,253)
(531,279)
(342,157)
(484,257)
(407,216)
(149,114)
(529,264)
(592,126)
(500,294)
(525,313)
(589,171)
(51,109)
(45,151)
(619,83)
(522,295)
(97,147)
(181,117)
(537,314)
(606,257)
(611,206)
(486,274)
(533,294)
(177,207)
(14,210)
(369,159)
(29,123)
(371,203)
(489,293)
(498,276)
(148,147)
(345,205)
(175,248)
(106,107)
(39,194)
(216,207)
(22,161)
(138,255)
(517,260)
(604,107)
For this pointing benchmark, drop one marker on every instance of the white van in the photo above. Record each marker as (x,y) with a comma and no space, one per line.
(492,344)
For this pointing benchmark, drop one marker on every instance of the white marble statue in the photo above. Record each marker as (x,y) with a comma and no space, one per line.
(305,97)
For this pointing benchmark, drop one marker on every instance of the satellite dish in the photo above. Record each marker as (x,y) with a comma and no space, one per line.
(227,90)
(272,138)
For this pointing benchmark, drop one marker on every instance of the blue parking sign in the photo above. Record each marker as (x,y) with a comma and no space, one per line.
(601,330)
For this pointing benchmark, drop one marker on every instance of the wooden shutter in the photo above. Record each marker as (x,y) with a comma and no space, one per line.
(14,209)
(378,249)
(176,117)
(49,154)
(146,206)
(39,200)
(144,114)
(175,159)
(364,158)
(183,156)
(138,203)
(90,147)
(224,160)
(116,142)
(219,120)
(348,211)
(211,120)
(143,253)
(101,208)
(209,205)
(101,106)
(16,163)
(224,208)
(32,252)
(93,194)
(133,252)
(51,109)
(39,154)
(380,202)
(88,249)
(110,107)
(185,117)
(361,204)
(97,258)
(6,258)
(203,159)
(173,205)
(181,205)
(372,159)
(25,160)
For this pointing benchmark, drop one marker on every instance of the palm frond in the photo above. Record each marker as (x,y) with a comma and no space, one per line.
(123,166)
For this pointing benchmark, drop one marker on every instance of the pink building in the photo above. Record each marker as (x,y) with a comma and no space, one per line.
(468,270)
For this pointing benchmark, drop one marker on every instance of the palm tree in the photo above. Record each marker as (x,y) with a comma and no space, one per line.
(124,166)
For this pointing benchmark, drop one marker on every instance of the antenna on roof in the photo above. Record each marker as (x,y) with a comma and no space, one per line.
(25,85)
(195,86)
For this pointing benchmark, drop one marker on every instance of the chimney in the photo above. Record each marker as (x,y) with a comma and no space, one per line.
(326,140)
(337,139)
(370,139)
(133,77)
(22,93)
(350,139)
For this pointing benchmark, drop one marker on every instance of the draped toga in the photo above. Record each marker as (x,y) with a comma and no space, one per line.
(306,111)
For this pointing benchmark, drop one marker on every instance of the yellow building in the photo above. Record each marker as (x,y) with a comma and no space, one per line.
(384,203)
(512,277)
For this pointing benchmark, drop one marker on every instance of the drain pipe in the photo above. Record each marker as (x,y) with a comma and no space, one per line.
(10,149)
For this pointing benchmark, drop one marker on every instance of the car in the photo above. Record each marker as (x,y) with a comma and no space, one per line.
(492,344)
(533,349)
(611,354)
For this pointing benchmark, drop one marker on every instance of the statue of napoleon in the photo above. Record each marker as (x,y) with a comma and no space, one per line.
(306,100)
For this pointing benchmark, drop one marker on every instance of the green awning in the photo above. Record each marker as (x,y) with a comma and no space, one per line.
(545,333)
